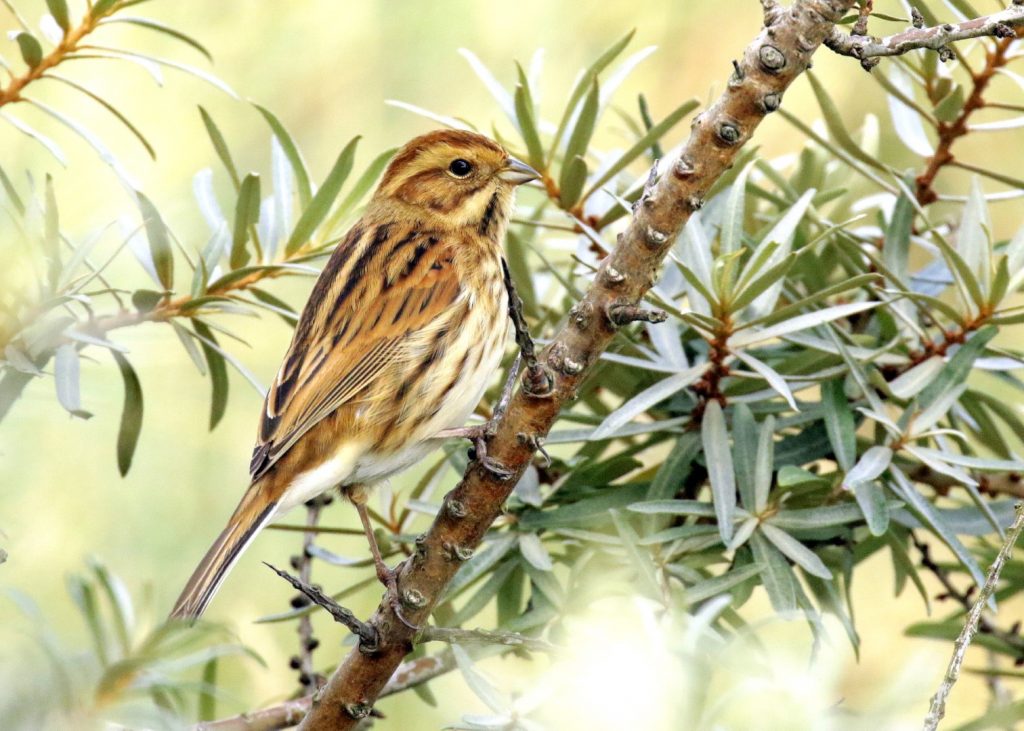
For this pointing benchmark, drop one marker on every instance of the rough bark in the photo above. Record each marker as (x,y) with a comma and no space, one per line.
(779,54)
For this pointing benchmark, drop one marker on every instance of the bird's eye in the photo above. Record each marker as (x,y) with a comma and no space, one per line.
(460,168)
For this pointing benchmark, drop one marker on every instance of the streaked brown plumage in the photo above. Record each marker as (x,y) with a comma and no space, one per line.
(401,334)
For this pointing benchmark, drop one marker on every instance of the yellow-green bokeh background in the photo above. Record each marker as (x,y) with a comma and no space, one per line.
(326,68)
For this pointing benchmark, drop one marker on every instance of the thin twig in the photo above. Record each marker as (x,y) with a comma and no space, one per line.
(997,25)
(364,631)
(1009,637)
(938,705)
(409,675)
(459,636)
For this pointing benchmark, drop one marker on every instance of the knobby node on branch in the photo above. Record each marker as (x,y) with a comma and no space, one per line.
(770,64)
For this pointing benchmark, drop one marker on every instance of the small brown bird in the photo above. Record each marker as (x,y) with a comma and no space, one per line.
(402,333)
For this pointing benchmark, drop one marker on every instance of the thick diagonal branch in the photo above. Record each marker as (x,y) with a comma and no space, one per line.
(997,25)
(769,65)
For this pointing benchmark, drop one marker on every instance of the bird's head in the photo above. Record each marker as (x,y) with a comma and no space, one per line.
(454,178)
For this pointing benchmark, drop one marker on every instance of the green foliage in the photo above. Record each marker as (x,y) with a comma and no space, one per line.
(136,673)
(829,382)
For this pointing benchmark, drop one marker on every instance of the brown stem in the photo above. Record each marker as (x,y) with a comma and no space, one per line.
(936,38)
(769,65)
(68,45)
(950,132)
(1003,483)
(287,714)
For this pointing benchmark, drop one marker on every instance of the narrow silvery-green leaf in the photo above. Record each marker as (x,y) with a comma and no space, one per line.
(764,464)
(973,240)
(120,603)
(220,146)
(646,399)
(872,503)
(744,454)
(528,127)
(188,342)
(872,463)
(102,7)
(715,438)
(12,193)
(949,106)
(731,236)
(218,370)
(1000,284)
(743,533)
(897,237)
(748,337)
(51,235)
(776,575)
(968,283)
(579,138)
(982,464)
(533,550)
(714,586)
(493,86)
(770,375)
(31,51)
(958,367)
(291,150)
(673,507)
(483,596)
(136,132)
(788,311)
(321,203)
(247,213)
(839,423)
(825,516)
(92,140)
(480,685)
(907,119)
(59,10)
(639,558)
(836,126)
(768,283)
(207,703)
(160,28)
(359,190)
(933,519)
(584,82)
(66,378)
(672,472)
(934,461)
(913,381)
(131,414)
(705,299)
(574,176)
(159,241)
(799,553)
(655,133)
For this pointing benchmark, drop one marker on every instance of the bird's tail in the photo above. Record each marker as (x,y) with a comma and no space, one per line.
(255,510)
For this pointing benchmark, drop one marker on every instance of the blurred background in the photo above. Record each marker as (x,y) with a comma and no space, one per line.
(326,69)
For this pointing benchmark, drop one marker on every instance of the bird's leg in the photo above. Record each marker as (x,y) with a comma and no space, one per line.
(385,575)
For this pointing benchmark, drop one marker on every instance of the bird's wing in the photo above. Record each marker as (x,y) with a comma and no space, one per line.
(381,291)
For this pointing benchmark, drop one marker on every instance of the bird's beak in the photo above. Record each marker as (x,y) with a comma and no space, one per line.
(517,172)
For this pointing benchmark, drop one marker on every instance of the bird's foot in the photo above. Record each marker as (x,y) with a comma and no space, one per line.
(479,434)
(389,578)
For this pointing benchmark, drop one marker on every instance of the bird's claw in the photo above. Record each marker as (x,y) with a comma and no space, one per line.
(389,578)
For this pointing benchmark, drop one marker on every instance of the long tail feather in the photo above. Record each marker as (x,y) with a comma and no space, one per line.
(249,517)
